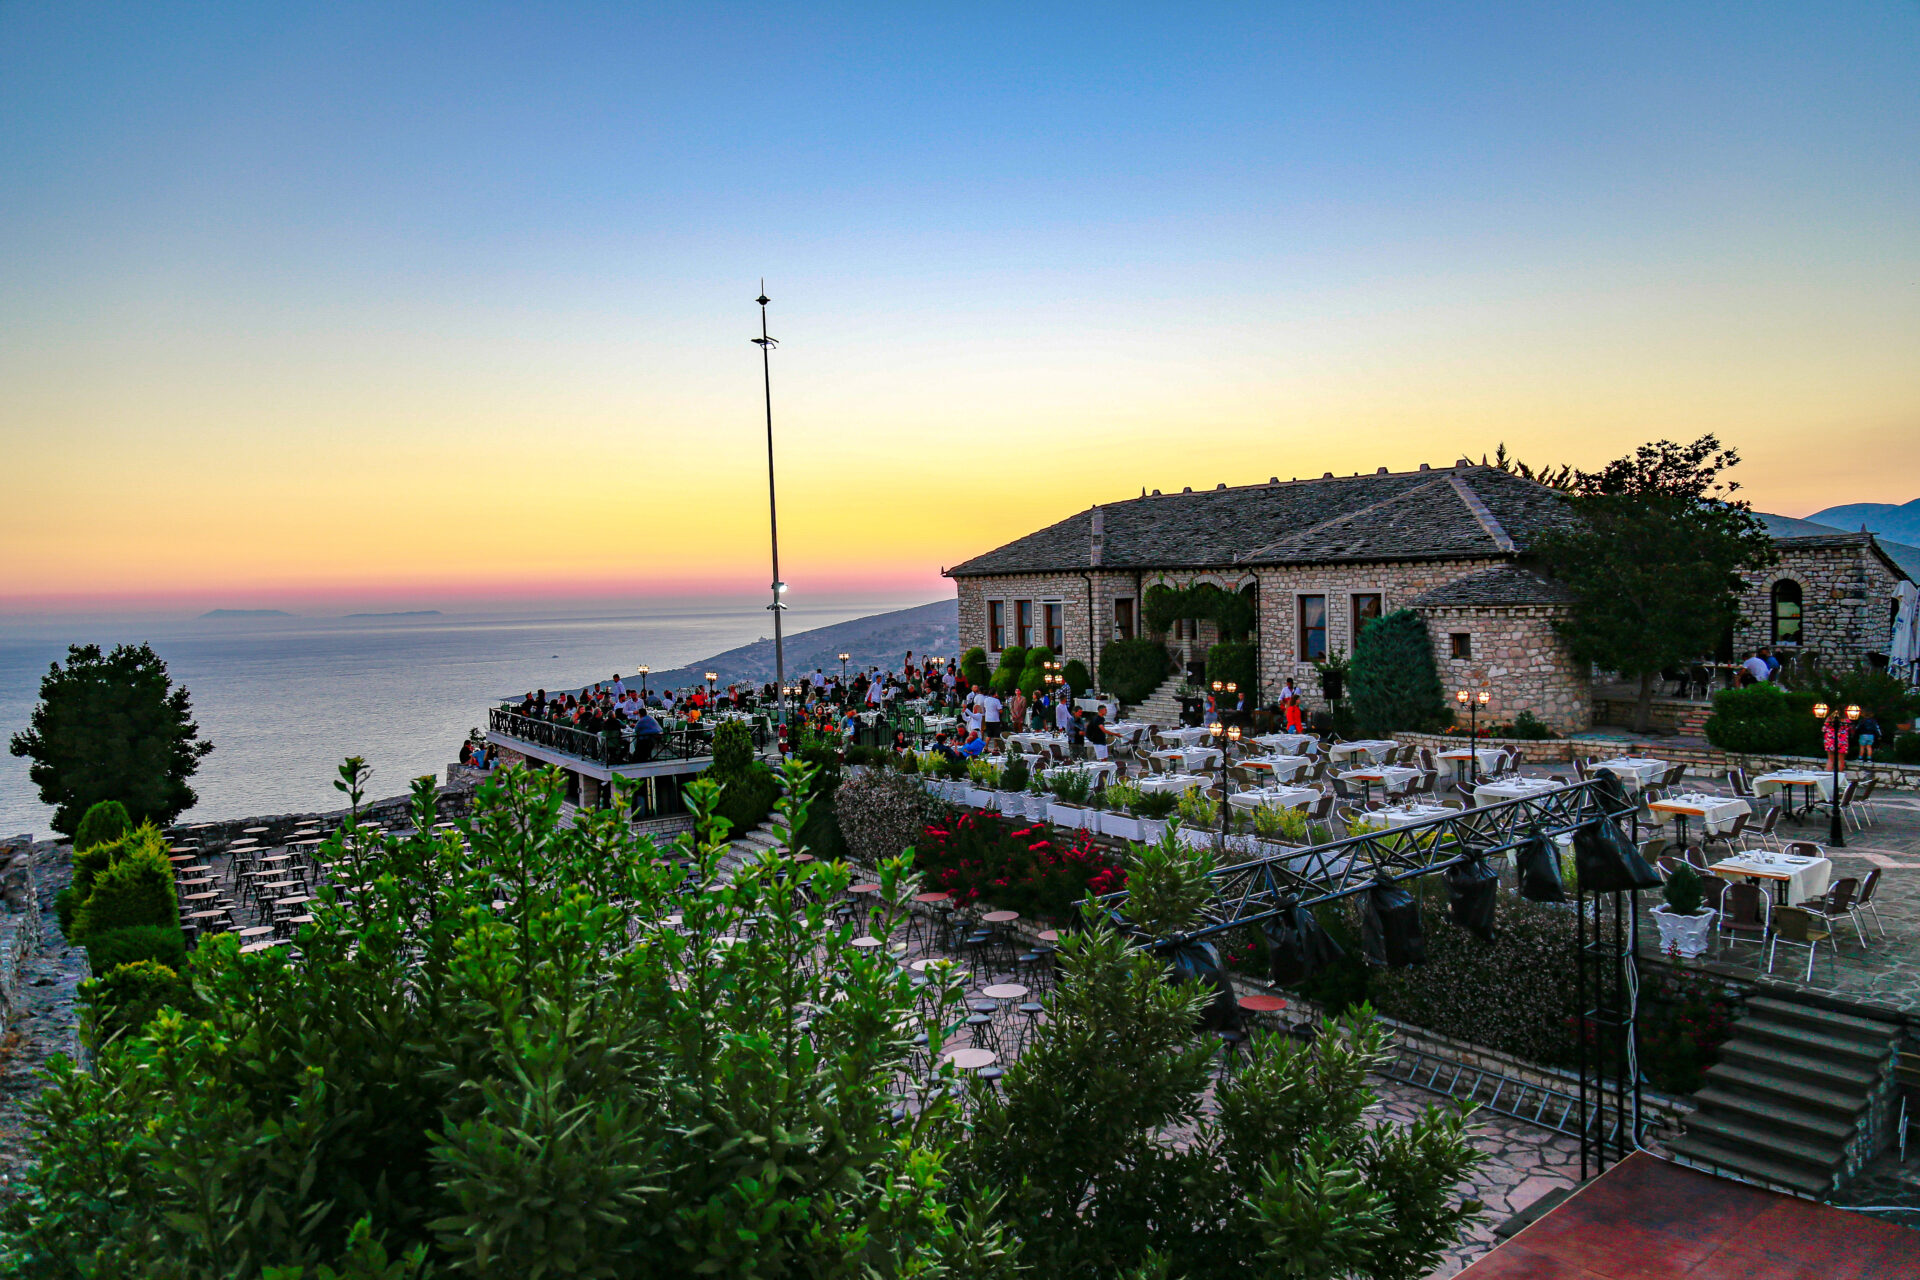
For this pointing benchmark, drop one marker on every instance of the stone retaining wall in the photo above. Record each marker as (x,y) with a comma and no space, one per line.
(454,802)
(20,924)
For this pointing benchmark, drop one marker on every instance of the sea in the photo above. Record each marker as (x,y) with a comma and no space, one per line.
(285,699)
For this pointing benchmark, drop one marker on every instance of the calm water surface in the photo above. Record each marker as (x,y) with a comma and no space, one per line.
(285,699)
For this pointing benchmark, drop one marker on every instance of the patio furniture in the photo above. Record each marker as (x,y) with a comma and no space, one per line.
(1763,834)
(1798,927)
(1837,904)
(1746,913)
(1864,902)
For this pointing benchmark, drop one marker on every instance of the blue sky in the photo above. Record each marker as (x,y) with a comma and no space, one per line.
(392,260)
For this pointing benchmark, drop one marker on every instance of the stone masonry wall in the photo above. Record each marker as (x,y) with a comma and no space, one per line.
(1840,634)
(20,924)
(1519,659)
(1069,590)
(1280,589)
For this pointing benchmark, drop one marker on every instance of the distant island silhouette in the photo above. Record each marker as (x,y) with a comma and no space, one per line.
(401,613)
(246,613)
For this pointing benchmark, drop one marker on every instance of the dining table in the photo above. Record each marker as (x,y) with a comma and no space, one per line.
(1634,772)
(1794,877)
(1404,815)
(1291,744)
(1811,781)
(1185,735)
(1281,767)
(1174,782)
(1391,778)
(1513,789)
(1714,813)
(1189,758)
(1272,797)
(1371,748)
(1484,758)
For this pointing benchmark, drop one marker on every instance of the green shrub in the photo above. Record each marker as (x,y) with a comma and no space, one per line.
(1238,663)
(126,997)
(1079,679)
(65,903)
(1395,683)
(135,889)
(1157,805)
(1682,892)
(973,665)
(103,823)
(1013,660)
(748,788)
(1764,719)
(162,943)
(89,863)
(1014,777)
(1033,673)
(1906,748)
(1132,669)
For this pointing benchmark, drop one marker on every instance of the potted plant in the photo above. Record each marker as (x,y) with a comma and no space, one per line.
(1199,818)
(1333,671)
(1036,800)
(984,775)
(1069,807)
(1286,827)
(1152,809)
(1116,821)
(1684,919)
(954,770)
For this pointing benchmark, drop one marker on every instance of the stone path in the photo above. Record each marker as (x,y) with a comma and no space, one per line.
(49,1025)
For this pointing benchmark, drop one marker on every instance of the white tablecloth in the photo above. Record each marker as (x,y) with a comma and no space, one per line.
(1513,789)
(1392,777)
(1372,749)
(1190,757)
(1122,731)
(1093,768)
(1805,877)
(1291,744)
(1404,815)
(1489,756)
(1036,742)
(1282,767)
(1273,797)
(1799,780)
(1174,782)
(1635,771)
(1186,736)
(1710,813)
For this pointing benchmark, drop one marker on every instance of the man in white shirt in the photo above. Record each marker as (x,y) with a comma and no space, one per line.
(819,680)
(1062,714)
(619,686)
(990,711)
(1756,667)
(975,717)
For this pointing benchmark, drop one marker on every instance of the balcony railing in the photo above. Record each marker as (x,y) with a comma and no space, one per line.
(613,747)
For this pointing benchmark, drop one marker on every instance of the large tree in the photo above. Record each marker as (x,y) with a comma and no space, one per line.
(112,727)
(1656,559)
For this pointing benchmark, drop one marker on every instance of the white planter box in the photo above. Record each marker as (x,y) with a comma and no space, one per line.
(1121,826)
(1035,807)
(1012,803)
(1069,816)
(980,798)
(1684,935)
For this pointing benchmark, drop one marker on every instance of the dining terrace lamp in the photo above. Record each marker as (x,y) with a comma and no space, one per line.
(1838,728)
(643,669)
(1473,702)
(843,668)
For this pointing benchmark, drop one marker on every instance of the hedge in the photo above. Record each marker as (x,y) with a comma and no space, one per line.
(1237,662)
(115,947)
(1132,669)
(1394,684)
(1764,719)
(1079,679)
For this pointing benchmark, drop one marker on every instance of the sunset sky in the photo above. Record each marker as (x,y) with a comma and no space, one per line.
(424,303)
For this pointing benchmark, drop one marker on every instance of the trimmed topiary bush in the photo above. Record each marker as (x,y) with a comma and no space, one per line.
(973,665)
(162,943)
(1013,660)
(879,815)
(1033,673)
(1132,669)
(1079,679)
(135,889)
(103,823)
(1395,685)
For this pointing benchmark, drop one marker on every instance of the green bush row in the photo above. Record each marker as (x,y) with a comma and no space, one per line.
(1132,669)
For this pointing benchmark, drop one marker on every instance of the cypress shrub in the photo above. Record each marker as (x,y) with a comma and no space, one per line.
(1013,660)
(1394,683)
(136,888)
(103,823)
(747,787)
(1079,679)
(1033,674)
(1236,662)
(115,947)
(973,665)
(1133,669)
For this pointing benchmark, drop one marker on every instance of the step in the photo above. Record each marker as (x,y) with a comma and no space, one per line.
(1817,1043)
(1812,1097)
(1713,1157)
(1769,1111)
(1839,1024)
(1777,1061)
(1766,1142)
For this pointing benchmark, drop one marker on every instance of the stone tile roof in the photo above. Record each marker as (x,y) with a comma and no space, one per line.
(1472,511)
(1506,584)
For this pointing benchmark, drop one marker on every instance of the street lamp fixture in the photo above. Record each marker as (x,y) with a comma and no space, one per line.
(1473,701)
(1834,737)
(644,668)
(843,668)
(713,678)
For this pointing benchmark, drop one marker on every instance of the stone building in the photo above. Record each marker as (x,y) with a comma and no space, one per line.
(1318,558)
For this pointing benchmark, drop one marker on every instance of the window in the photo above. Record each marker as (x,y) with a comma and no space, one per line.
(1023,623)
(1313,628)
(1050,617)
(1786,612)
(1123,618)
(1366,607)
(1462,644)
(996,625)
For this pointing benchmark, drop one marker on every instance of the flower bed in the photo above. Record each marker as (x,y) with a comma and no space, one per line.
(1014,865)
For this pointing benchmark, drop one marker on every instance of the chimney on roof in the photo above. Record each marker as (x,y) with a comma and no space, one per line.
(1327,476)
(1464,462)
(1425,467)
(1379,471)
(1099,538)
(1221,485)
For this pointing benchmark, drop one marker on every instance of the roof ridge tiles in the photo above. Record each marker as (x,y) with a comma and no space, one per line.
(1379,504)
(1494,528)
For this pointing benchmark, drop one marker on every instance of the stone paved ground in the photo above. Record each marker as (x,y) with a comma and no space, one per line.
(48,1027)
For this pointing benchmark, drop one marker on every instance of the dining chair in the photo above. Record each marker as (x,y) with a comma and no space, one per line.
(1798,927)
(1837,904)
(1747,913)
(1864,902)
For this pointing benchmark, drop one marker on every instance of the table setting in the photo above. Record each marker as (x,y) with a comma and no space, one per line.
(1287,744)
(1186,735)
(1391,777)
(1485,757)
(1190,757)
(1513,789)
(1371,748)
(1281,767)
(1174,782)
(1634,772)
(1715,813)
(1795,877)
(1272,797)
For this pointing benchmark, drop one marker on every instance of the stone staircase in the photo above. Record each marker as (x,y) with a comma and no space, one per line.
(763,839)
(1162,706)
(1796,1100)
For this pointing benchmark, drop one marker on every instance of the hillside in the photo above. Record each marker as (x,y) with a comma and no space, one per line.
(881,640)
(1900,523)
(1904,554)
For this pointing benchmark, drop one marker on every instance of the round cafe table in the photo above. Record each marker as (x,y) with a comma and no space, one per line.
(1005,991)
(1049,935)
(972,1059)
(940,895)
(863,888)
(1262,1004)
(1001,917)
(867,943)
(253,831)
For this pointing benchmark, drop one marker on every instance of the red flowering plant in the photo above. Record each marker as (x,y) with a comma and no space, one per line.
(1014,865)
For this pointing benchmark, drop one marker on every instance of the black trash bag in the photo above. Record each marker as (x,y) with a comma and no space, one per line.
(1201,960)
(1612,794)
(1607,861)
(1390,933)
(1471,888)
(1296,944)
(1539,862)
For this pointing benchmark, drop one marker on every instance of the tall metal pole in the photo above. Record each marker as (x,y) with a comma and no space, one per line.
(766,344)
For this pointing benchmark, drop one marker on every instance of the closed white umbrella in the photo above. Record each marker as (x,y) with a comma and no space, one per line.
(1904,646)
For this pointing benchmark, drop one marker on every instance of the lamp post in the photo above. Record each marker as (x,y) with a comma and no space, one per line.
(713,679)
(1838,729)
(843,669)
(644,668)
(766,345)
(1473,702)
